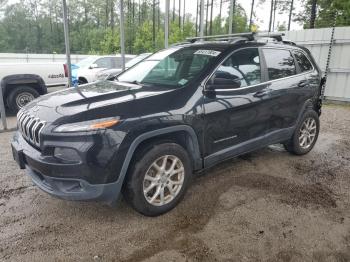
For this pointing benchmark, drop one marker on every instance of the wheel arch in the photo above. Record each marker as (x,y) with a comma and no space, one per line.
(31,80)
(308,104)
(83,78)
(192,145)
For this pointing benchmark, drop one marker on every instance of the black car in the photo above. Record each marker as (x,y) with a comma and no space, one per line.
(181,110)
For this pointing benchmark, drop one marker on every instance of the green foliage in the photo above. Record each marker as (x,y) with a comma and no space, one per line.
(36,26)
(325,13)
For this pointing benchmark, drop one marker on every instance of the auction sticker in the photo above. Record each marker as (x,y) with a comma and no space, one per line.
(207,52)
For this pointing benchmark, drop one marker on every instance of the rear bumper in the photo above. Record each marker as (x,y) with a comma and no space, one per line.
(42,171)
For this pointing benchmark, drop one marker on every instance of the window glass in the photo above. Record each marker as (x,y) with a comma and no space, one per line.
(304,63)
(280,63)
(104,62)
(243,65)
(171,67)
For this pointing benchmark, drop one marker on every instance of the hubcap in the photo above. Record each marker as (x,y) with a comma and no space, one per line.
(24,98)
(163,180)
(307,133)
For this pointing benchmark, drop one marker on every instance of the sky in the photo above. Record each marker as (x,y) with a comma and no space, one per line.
(262,11)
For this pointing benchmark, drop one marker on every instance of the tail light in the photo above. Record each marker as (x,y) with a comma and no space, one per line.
(65,67)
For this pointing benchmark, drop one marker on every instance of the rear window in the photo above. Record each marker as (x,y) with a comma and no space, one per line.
(303,62)
(280,63)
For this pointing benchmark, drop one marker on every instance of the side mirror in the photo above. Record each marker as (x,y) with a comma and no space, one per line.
(93,66)
(222,83)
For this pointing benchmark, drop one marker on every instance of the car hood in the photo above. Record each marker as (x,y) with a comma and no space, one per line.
(91,100)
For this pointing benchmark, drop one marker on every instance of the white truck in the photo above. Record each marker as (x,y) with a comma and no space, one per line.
(23,82)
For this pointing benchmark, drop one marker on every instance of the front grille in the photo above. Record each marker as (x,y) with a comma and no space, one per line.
(30,127)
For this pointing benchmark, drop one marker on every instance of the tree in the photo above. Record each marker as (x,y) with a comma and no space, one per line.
(323,15)
(36,26)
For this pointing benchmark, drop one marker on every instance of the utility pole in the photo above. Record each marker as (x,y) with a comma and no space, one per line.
(251,16)
(66,41)
(211,17)
(154,24)
(201,23)
(180,14)
(220,14)
(206,19)
(197,18)
(122,36)
(313,13)
(274,15)
(230,20)
(290,14)
(271,12)
(166,24)
(174,10)
(184,17)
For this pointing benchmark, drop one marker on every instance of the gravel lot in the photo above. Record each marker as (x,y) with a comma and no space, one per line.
(265,206)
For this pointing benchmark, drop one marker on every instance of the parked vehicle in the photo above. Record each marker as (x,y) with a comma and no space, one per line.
(172,115)
(110,74)
(88,68)
(23,82)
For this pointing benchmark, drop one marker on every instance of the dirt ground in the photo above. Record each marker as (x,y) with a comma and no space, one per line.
(265,206)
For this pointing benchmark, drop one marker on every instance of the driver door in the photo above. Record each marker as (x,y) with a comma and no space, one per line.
(236,106)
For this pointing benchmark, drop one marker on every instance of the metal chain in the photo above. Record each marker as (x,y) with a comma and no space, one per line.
(329,56)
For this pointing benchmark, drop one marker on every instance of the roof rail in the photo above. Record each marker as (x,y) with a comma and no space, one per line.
(249,36)
(240,37)
(276,36)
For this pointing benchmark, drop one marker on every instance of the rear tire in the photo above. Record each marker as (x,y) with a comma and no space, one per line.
(305,134)
(21,96)
(158,178)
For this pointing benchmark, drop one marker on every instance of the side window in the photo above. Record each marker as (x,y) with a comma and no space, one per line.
(105,62)
(280,63)
(243,67)
(303,62)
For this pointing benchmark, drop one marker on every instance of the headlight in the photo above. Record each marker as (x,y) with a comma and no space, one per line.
(88,125)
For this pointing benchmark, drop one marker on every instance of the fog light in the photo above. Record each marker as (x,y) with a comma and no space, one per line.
(67,155)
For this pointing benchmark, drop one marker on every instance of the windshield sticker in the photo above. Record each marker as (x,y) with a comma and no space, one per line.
(207,52)
(183,82)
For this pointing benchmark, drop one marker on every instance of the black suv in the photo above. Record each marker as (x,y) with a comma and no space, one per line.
(179,111)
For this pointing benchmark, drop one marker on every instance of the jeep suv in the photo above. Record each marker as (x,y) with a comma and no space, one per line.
(181,110)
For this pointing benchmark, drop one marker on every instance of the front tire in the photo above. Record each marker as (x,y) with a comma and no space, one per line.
(21,96)
(305,134)
(158,179)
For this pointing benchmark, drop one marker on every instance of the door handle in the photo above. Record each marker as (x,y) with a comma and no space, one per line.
(303,83)
(262,93)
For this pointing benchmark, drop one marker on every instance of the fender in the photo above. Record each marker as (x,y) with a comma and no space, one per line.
(22,79)
(307,105)
(195,152)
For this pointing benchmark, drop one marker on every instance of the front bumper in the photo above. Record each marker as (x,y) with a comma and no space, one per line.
(76,189)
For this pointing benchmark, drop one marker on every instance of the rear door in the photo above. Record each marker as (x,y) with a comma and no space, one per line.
(236,108)
(287,88)
(306,67)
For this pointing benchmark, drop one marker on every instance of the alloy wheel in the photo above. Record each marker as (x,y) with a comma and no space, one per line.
(307,133)
(163,180)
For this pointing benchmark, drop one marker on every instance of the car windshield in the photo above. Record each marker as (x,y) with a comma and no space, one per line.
(135,60)
(175,67)
(86,62)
